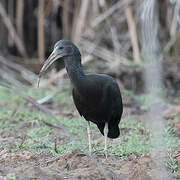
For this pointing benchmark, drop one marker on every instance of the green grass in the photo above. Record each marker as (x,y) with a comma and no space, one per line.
(17,116)
(171,140)
(134,141)
(172,164)
(40,135)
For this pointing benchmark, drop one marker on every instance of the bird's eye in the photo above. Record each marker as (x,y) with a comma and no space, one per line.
(61,47)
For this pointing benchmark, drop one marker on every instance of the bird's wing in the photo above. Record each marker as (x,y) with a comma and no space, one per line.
(77,102)
(117,106)
(85,108)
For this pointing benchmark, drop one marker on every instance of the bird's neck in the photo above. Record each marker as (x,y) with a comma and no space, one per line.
(74,70)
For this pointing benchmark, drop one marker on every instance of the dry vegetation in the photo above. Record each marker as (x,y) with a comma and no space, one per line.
(106,31)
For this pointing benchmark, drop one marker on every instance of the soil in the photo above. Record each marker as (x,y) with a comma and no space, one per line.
(74,165)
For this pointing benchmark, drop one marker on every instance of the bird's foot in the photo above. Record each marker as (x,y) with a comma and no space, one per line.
(101,153)
(105,153)
(84,153)
(81,154)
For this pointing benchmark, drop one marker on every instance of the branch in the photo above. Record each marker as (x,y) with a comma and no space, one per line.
(171,42)
(66,29)
(175,19)
(109,12)
(19,17)
(81,20)
(12,31)
(26,74)
(133,33)
(98,51)
(41,52)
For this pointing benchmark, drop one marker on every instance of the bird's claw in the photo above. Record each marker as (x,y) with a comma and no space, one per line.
(105,153)
(101,153)
(81,154)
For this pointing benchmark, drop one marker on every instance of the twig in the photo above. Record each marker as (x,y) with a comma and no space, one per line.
(66,26)
(25,73)
(41,52)
(95,8)
(19,17)
(81,20)
(109,12)
(14,112)
(100,52)
(133,34)
(7,75)
(53,160)
(12,31)
(116,43)
(51,125)
(22,141)
(48,8)
(174,35)
(55,145)
(171,42)
(175,19)
(10,12)
(45,99)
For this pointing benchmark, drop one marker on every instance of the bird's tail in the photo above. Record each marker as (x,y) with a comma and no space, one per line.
(113,132)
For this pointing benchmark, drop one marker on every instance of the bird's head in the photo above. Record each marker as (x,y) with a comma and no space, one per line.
(62,48)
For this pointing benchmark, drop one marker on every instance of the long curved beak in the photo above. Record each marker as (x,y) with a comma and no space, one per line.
(52,58)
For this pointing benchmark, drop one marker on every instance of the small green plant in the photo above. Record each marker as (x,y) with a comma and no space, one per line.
(39,132)
(171,140)
(172,164)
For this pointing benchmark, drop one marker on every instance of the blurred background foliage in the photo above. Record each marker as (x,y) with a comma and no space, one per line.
(108,33)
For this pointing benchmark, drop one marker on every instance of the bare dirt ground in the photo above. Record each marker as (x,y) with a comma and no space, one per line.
(39,165)
(74,165)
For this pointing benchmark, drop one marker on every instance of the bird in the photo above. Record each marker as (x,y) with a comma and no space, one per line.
(97,97)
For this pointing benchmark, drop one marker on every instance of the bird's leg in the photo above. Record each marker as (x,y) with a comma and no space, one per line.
(89,137)
(105,138)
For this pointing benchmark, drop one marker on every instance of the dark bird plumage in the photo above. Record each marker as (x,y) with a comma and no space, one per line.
(99,101)
(96,96)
